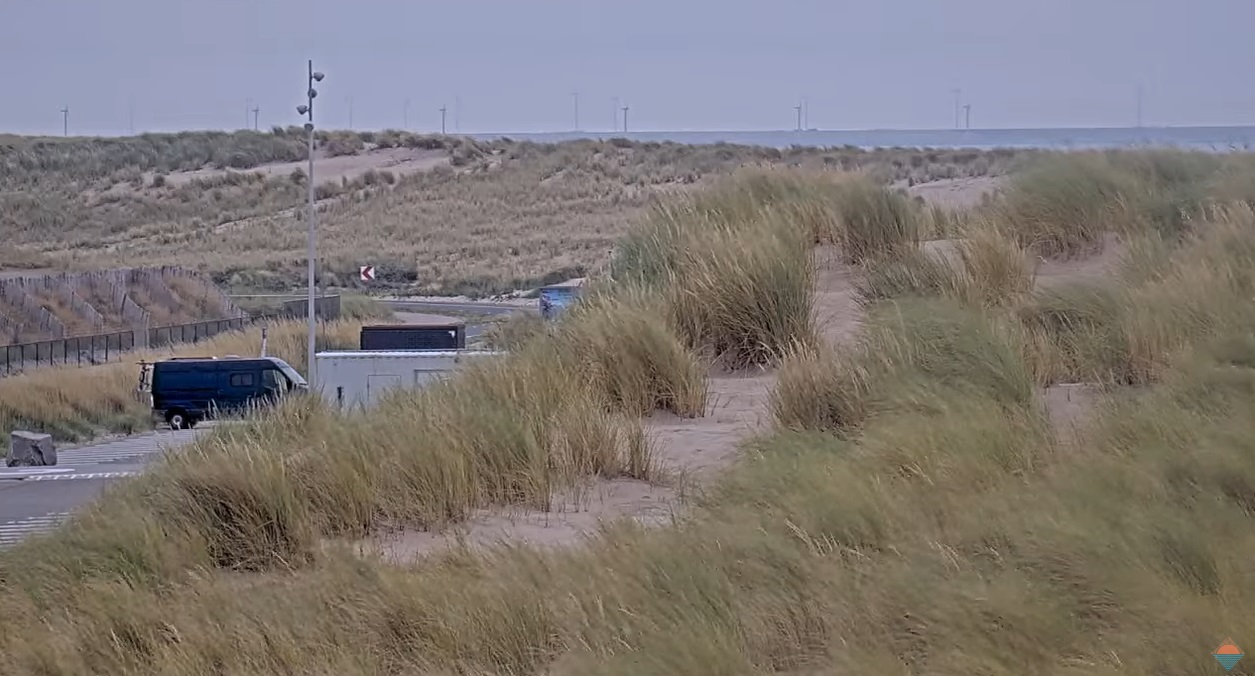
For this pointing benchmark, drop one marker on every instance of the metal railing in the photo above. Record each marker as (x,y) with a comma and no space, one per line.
(194,332)
(104,347)
(77,351)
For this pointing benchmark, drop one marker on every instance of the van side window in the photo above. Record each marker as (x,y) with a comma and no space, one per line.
(271,380)
(241,380)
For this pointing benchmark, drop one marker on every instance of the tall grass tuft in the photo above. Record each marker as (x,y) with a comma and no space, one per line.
(736,277)
(983,268)
(818,390)
(1074,333)
(1062,205)
(626,349)
(907,273)
(746,297)
(950,346)
(874,220)
(914,354)
(997,270)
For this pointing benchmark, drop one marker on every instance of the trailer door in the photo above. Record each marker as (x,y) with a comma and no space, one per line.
(376,385)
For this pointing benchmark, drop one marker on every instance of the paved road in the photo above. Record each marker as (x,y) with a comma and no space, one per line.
(473,331)
(38,500)
(436,307)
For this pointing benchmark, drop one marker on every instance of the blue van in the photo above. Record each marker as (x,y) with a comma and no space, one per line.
(557,298)
(185,391)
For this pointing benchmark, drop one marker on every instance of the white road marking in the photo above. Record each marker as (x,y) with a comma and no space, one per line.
(14,531)
(20,473)
(85,475)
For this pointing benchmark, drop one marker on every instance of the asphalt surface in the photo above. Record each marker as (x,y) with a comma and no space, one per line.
(37,500)
(473,331)
(436,307)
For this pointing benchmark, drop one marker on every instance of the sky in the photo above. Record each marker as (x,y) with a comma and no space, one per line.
(514,65)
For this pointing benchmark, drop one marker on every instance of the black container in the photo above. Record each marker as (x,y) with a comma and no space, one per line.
(414,337)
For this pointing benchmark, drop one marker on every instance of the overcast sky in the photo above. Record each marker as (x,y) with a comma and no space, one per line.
(679,64)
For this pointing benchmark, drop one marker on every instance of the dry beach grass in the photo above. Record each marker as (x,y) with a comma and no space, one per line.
(914,510)
(494,217)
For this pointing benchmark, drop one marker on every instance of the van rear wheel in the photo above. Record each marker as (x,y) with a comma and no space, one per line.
(178,420)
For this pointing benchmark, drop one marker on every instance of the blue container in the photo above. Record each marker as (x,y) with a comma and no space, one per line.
(555,299)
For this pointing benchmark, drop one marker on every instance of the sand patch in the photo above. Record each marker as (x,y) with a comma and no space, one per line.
(1085,268)
(956,193)
(1069,408)
(837,312)
(686,451)
(399,161)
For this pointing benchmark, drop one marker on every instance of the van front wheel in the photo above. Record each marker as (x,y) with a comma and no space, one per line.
(178,420)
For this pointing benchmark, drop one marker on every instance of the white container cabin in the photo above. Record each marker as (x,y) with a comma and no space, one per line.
(358,378)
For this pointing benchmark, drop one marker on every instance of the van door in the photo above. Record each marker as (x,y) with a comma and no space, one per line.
(241,390)
(274,384)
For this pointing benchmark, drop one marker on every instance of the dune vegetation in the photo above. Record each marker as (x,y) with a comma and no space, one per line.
(434,215)
(919,504)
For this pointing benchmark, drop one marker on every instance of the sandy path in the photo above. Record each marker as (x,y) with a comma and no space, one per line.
(1089,268)
(688,452)
(399,161)
(1071,406)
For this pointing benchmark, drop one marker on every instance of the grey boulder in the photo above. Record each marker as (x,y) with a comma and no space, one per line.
(31,449)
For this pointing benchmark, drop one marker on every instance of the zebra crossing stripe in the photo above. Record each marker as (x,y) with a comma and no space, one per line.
(87,475)
(12,532)
(20,473)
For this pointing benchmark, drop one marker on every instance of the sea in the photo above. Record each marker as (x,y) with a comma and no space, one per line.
(1213,139)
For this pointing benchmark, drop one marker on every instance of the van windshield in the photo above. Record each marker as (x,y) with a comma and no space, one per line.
(292,375)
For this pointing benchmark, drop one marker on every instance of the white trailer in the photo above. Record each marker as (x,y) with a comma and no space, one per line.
(358,378)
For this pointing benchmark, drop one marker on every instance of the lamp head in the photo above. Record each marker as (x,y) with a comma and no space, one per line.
(318,77)
(302,109)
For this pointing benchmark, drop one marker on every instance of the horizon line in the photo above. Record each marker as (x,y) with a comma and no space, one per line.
(620,133)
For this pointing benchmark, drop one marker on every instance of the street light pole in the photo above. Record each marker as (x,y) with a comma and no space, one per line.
(308,110)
